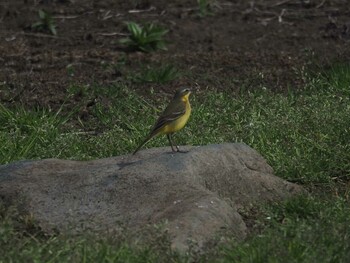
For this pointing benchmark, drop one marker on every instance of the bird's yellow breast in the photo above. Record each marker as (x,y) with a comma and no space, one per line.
(179,123)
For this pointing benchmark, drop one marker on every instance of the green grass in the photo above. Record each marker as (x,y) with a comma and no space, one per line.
(304,229)
(304,135)
(26,134)
(23,246)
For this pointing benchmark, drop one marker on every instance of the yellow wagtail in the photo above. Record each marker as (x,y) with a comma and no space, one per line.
(174,118)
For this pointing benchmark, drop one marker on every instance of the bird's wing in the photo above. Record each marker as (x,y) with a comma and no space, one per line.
(174,111)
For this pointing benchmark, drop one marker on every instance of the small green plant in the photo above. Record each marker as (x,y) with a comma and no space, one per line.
(162,74)
(45,23)
(206,7)
(147,38)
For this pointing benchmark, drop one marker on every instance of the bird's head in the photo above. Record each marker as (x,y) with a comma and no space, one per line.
(182,93)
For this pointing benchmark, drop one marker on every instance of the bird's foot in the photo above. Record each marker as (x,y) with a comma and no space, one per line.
(180,151)
(174,150)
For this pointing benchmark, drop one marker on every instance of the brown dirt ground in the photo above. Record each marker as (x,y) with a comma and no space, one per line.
(245,44)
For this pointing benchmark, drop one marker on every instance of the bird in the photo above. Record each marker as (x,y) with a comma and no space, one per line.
(173,118)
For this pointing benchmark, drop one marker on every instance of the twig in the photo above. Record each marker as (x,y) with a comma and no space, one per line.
(41,35)
(321,4)
(280,20)
(265,12)
(65,17)
(142,10)
(281,3)
(8,39)
(113,34)
(226,4)
(107,15)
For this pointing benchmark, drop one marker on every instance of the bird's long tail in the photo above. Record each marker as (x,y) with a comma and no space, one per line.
(143,143)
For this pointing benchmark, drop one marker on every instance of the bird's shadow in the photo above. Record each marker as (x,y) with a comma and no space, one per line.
(123,165)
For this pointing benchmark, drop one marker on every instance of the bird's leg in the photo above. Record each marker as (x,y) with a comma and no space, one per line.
(180,151)
(177,147)
(171,142)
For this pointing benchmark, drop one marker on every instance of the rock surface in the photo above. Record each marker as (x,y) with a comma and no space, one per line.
(198,193)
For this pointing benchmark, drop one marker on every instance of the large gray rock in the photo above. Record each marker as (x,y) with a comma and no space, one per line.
(197,193)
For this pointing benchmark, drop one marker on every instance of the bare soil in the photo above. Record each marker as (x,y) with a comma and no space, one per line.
(242,45)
